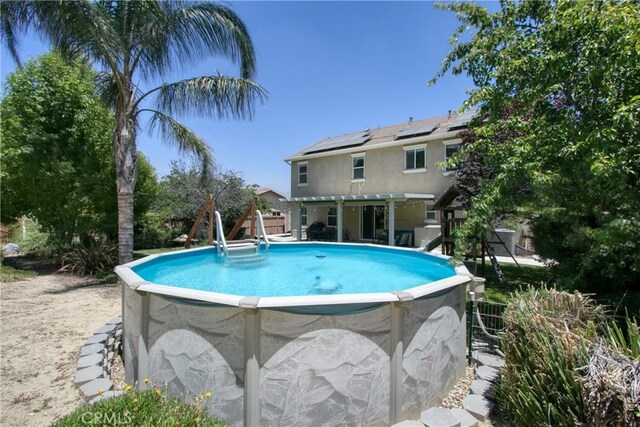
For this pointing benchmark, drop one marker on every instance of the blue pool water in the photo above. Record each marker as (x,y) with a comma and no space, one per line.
(298,269)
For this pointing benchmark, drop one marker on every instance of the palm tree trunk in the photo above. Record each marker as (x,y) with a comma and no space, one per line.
(126,177)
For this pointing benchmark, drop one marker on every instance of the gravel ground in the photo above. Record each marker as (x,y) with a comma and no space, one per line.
(44,321)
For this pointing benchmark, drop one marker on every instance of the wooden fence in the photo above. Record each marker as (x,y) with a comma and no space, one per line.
(272,224)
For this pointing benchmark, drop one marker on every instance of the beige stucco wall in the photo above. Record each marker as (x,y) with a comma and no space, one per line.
(408,215)
(384,173)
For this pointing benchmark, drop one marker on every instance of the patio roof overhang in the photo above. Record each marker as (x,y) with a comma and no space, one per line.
(362,197)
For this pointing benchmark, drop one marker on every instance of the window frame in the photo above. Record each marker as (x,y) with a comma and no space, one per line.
(306,174)
(447,144)
(304,216)
(428,211)
(355,156)
(332,218)
(415,149)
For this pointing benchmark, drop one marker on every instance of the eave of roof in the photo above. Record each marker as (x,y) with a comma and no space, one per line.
(361,197)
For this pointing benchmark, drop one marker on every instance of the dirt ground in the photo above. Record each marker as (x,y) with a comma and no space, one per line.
(44,321)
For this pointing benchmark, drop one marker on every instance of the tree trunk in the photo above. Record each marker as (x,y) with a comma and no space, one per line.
(124,142)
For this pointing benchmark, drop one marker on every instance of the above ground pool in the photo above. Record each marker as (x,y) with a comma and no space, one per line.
(299,334)
(298,269)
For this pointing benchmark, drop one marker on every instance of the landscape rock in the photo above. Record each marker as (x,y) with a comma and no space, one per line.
(116,321)
(466,419)
(88,374)
(477,406)
(93,388)
(90,360)
(105,329)
(439,417)
(98,338)
(483,388)
(408,423)
(488,374)
(489,360)
(91,349)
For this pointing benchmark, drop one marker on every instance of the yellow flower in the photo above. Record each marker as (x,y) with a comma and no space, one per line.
(207,394)
(146,380)
(127,388)
(158,392)
(135,400)
(99,392)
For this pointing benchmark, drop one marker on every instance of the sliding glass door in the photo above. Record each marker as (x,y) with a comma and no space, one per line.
(372,222)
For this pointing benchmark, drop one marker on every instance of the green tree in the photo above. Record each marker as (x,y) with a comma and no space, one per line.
(133,43)
(183,191)
(562,80)
(56,149)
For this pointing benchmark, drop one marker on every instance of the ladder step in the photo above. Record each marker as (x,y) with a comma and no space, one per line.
(247,259)
(238,246)
(241,250)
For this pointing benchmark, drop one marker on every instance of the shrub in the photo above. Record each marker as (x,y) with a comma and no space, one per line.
(567,363)
(151,232)
(37,242)
(543,341)
(610,378)
(90,255)
(10,274)
(140,408)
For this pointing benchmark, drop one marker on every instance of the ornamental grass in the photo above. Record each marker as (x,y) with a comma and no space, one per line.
(567,363)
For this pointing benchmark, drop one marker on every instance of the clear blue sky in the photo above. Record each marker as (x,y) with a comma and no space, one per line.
(330,68)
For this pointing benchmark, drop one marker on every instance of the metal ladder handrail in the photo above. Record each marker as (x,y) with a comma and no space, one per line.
(222,242)
(261,230)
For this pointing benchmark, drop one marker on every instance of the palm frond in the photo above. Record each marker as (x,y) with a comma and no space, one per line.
(79,28)
(210,96)
(107,88)
(15,18)
(176,133)
(185,32)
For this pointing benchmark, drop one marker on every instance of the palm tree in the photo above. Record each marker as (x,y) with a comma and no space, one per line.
(133,43)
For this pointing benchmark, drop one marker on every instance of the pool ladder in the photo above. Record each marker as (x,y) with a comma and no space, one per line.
(246,252)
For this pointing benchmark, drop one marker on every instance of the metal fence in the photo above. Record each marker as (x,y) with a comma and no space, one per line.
(484,334)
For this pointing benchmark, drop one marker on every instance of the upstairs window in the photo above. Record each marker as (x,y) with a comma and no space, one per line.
(302,174)
(332,217)
(450,149)
(415,158)
(358,167)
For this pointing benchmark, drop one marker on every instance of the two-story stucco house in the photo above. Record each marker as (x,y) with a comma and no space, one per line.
(376,184)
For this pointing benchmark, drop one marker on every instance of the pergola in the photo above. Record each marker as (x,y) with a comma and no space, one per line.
(340,200)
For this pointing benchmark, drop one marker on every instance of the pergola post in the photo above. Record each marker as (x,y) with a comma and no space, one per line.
(340,221)
(299,223)
(392,223)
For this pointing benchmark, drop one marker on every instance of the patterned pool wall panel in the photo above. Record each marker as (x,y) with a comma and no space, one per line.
(132,305)
(332,370)
(195,349)
(434,331)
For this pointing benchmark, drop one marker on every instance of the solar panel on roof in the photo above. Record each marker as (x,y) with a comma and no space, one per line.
(416,131)
(351,140)
(463,119)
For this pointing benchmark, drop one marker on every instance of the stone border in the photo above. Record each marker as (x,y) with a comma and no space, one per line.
(476,406)
(94,364)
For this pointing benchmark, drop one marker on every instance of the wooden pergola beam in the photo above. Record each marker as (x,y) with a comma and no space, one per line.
(208,205)
(251,208)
